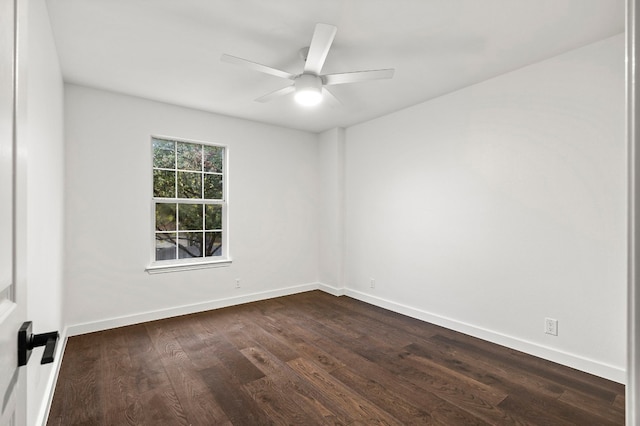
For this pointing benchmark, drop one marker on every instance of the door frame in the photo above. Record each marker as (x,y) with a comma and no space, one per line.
(633,252)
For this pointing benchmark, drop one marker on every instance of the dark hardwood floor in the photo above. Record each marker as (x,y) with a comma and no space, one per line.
(313,359)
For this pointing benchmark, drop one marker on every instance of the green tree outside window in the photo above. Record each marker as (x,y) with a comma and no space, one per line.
(189,199)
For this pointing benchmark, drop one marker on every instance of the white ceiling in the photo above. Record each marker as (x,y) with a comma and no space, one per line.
(169,50)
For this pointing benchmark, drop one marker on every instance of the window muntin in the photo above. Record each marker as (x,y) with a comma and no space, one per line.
(189,201)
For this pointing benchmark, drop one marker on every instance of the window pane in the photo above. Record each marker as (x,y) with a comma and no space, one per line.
(165,217)
(189,185)
(164,183)
(190,217)
(191,172)
(213,244)
(213,187)
(213,217)
(189,156)
(213,156)
(165,246)
(164,154)
(189,244)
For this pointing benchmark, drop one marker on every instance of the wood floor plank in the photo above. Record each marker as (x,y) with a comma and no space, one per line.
(273,343)
(285,392)
(277,405)
(397,321)
(596,407)
(80,387)
(340,395)
(471,396)
(440,411)
(192,393)
(198,401)
(304,393)
(236,363)
(536,367)
(304,340)
(316,359)
(199,344)
(490,394)
(379,395)
(166,344)
(147,368)
(363,324)
(619,402)
(556,372)
(118,382)
(483,369)
(238,406)
(376,315)
(540,410)
(162,407)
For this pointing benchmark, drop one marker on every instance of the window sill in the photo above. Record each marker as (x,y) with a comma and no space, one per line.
(159,268)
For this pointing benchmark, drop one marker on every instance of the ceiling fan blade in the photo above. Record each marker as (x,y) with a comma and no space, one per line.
(257,67)
(319,48)
(356,76)
(273,95)
(330,98)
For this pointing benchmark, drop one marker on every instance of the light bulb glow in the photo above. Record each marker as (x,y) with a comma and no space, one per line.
(308,90)
(308,97)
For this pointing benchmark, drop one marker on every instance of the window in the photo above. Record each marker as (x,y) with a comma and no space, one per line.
(189,203)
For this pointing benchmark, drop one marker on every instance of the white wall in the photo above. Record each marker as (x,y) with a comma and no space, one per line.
(45,186)
(273,202)
(491,208)
(331,212)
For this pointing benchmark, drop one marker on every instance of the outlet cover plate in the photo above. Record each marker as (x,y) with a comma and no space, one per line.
(551,326)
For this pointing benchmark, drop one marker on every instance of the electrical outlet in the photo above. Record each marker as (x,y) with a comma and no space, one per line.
(372,283)
(237,282)
(551,326)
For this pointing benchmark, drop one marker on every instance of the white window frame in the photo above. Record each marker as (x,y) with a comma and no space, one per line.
(174,265)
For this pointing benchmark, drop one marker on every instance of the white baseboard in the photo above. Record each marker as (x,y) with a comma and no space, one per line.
(336,291)
(122,321)
(597,368)
(43,412)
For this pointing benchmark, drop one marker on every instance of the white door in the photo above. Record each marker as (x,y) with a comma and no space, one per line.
(12,291)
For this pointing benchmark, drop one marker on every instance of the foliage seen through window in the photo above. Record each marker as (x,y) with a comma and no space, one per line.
(188,194)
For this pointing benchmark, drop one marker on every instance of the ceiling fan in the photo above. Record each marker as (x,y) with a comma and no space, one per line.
(309,86)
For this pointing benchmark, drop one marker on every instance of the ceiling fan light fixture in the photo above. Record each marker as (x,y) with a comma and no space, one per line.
(309,86)
(308,90)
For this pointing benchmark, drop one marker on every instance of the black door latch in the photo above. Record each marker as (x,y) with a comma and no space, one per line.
(27,341)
